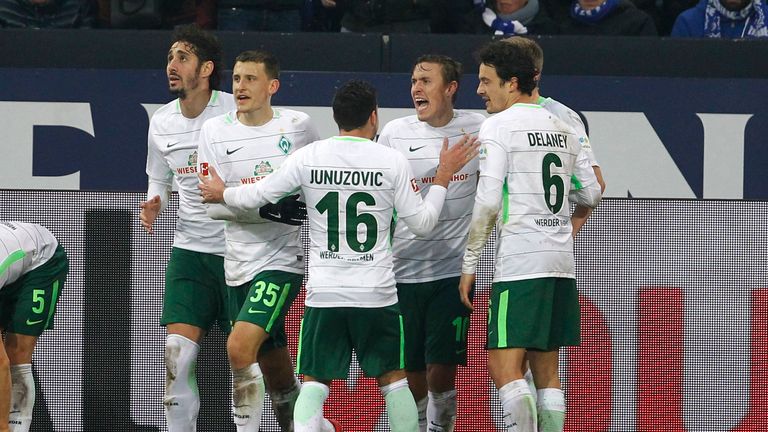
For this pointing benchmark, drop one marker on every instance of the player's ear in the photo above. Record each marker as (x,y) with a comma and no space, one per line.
(452,88)
(206,69)
(274,85)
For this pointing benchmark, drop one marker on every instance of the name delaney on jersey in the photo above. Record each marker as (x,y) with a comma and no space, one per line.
(547,139)
(345,177)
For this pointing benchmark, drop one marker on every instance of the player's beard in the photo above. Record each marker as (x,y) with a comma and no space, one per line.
(181,92)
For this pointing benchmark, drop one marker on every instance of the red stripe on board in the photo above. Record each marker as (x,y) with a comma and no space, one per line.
(589,374)
(660,360)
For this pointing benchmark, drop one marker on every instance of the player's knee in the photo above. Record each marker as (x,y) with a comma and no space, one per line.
(240,351)
(5,363)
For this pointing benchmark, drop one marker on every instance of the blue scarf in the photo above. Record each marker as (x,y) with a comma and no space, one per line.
(753,16)
(593,16)
(514,23)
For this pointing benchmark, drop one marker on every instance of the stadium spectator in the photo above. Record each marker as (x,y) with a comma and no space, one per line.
(260,15)
(195,290)
(513,17)
(33,269)
(723,19)
(352,186)
(607,18)
(385,16)
(533,307)
(427,269)
(47,14)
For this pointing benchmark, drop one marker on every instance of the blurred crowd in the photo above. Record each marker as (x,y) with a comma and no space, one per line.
(678,18)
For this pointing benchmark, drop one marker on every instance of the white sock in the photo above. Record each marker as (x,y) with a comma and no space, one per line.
(22,397)
(401,408)
(519,407)
(182,399)
(531,385)
(308,413)
(421,406)
(247,398)
(441,412)
(551,409)
(283,402)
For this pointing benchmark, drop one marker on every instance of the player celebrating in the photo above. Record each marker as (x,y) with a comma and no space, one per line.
(33,268)
(528,161)
(427,269)
(195,290)
(263,261)
(352,186)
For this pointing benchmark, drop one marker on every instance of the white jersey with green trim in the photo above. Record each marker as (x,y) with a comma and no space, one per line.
(351,186)
(437,256)
(573,119)
(536,157)
(172,158)
(23,248)
(244,154)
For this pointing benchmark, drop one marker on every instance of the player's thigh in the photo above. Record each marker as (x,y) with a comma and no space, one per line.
(265,303)
(19,348)
(447,325)
(377,336)
(29,304)
(195,290)
(413,300)
(527,314)
(325,347)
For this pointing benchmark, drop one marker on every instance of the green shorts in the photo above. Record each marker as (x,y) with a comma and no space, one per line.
(328,336)
(265,302)
(27,306)
(195,290)
(436,323)
(537,314)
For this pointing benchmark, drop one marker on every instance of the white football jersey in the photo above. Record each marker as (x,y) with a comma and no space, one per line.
(573,119)
(244,155)
(437,256)
(352,186)
(535,155)
(23,248)
(172,157)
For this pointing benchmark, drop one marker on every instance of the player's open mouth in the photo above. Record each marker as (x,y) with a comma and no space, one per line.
(421,104)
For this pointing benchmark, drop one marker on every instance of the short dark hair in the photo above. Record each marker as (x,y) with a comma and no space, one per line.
(353,104)
(450,68)
(270,62)
(205,46)
(511,61)
(532,49)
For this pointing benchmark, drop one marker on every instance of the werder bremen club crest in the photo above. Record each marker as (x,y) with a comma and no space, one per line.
(284,145)
(262,169)
(192,161)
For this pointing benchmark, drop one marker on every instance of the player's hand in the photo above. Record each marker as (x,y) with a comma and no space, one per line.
(453,158)
(328,3)
(288,210)
(149,211)
(466,283)
(211,186)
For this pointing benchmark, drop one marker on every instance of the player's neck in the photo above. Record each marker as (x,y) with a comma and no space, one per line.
(442,119)
(257,117)
(524,99)
(194,103)
(365,132)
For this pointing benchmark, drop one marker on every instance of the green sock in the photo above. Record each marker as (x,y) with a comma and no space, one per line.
(403,414)
(551,421)
(308,412)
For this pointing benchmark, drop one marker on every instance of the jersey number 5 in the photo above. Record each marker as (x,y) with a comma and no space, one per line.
(330,204)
